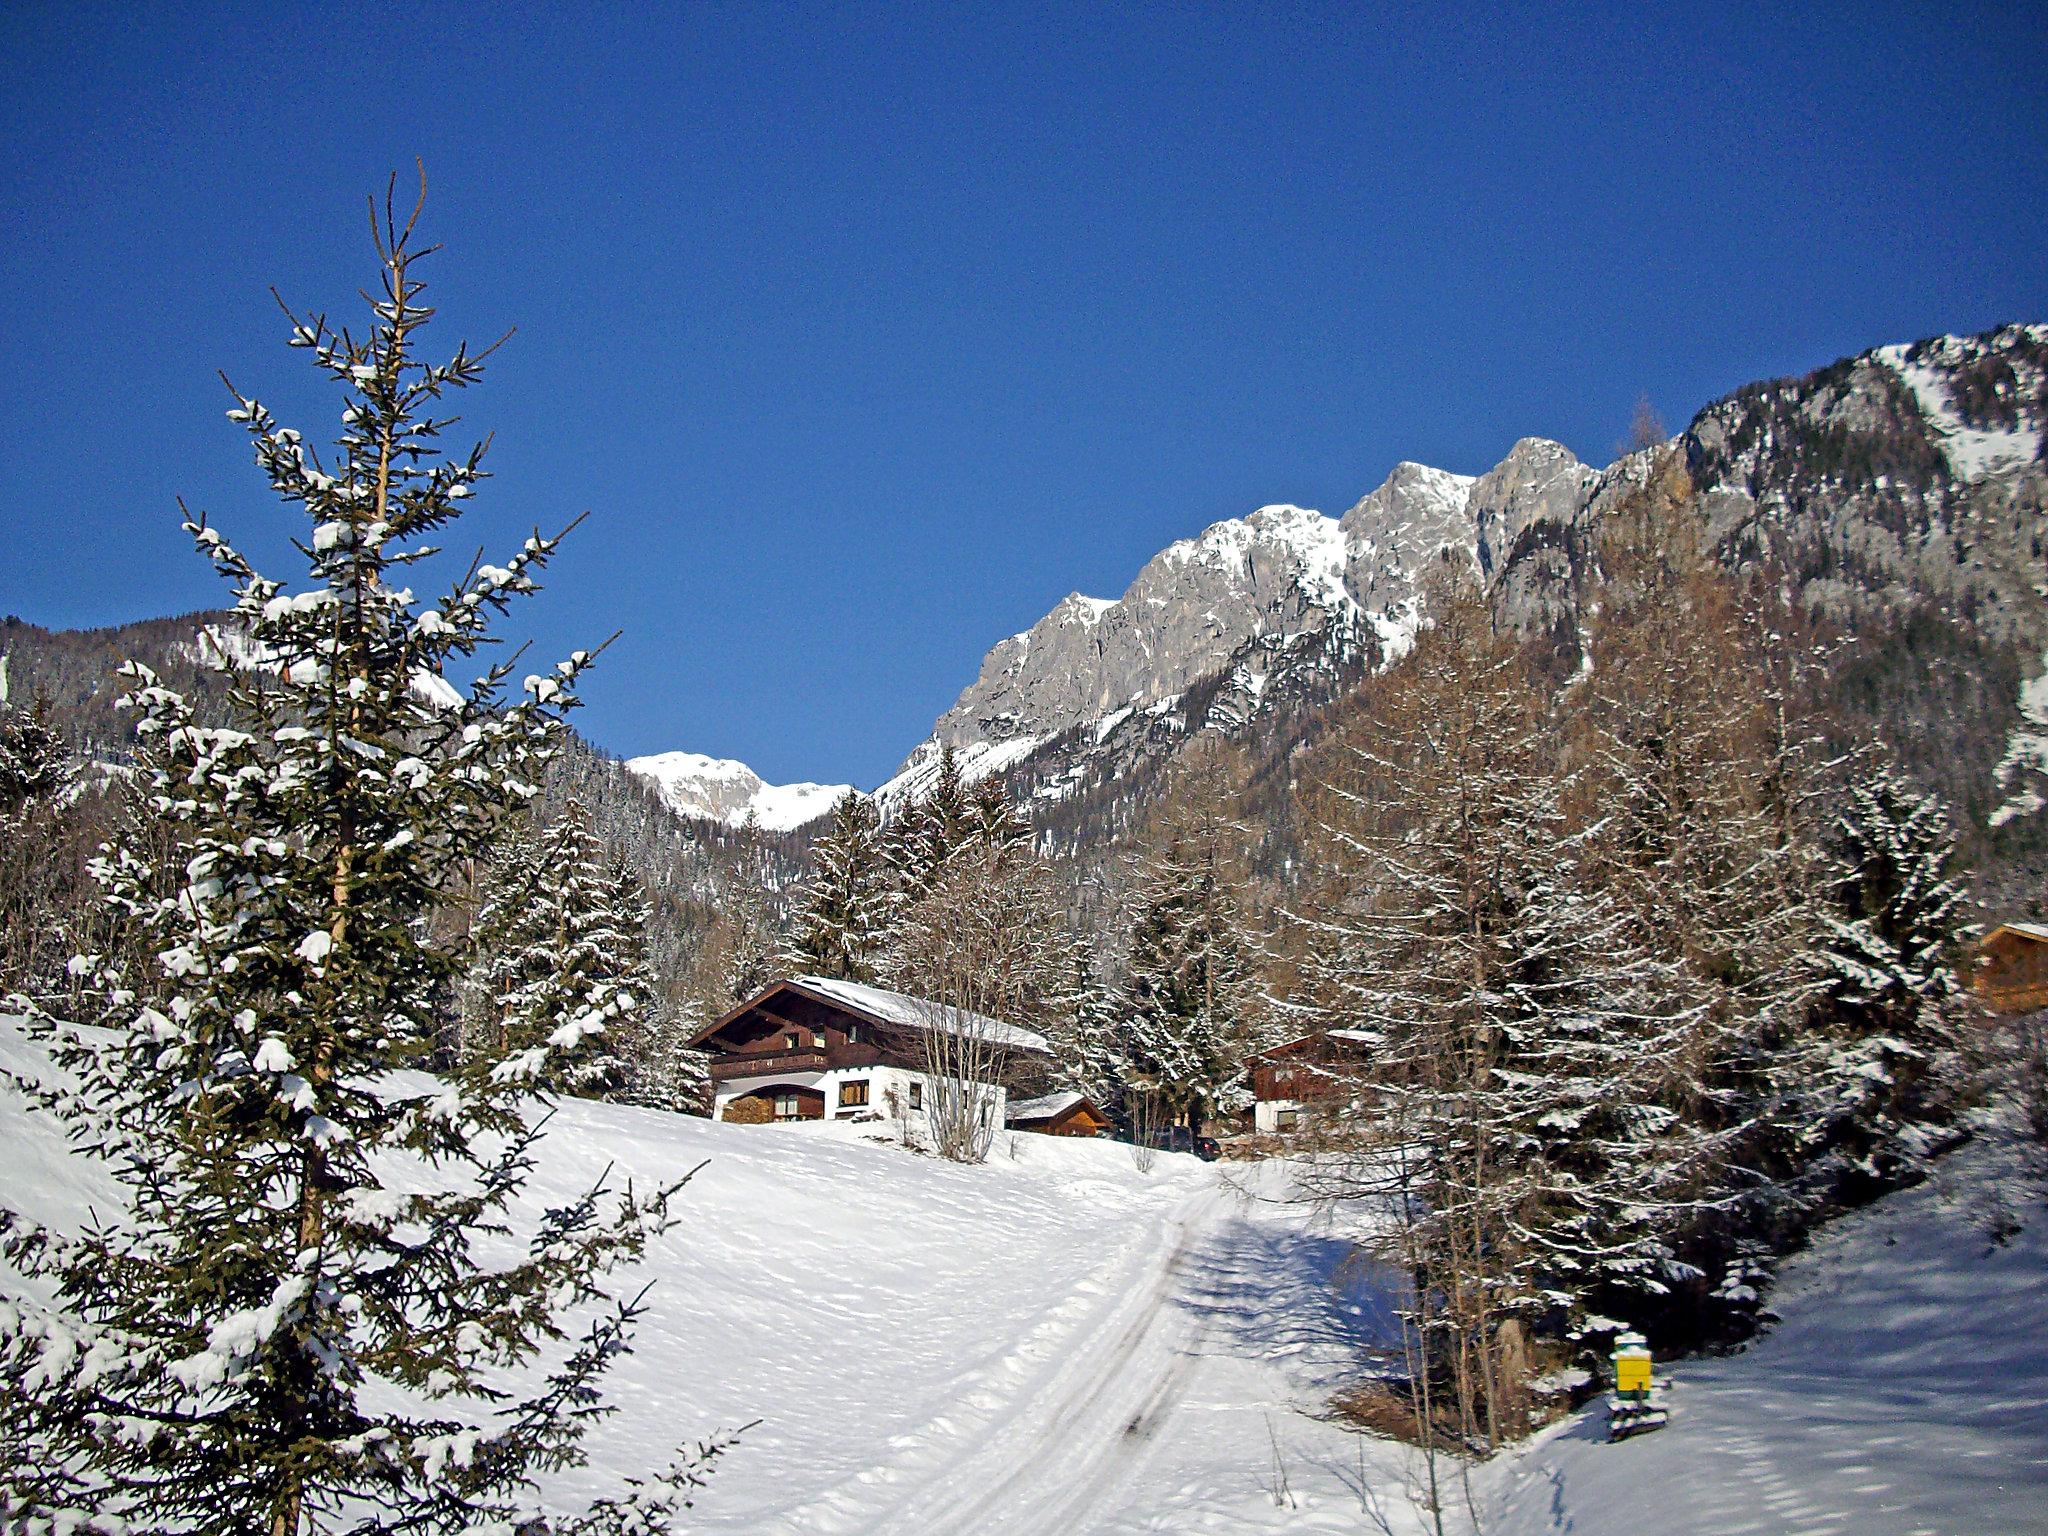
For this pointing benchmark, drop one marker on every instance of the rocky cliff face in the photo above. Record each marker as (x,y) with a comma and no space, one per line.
(1246,604)
(1907,481)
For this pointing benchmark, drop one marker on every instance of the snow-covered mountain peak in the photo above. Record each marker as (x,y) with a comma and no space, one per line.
(1984,398)
(719,789)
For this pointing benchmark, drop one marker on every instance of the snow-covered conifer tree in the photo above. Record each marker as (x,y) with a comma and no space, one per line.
(1898,907)
(282,1330)
(1086,1031)
(1188,1019)
(555,949)
(845,917)
(33,766)
(1886,1065)
(662,1071)
(930,830)
(994,817)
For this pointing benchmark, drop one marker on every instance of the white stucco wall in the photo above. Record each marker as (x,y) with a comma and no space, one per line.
(883,1082)
(1266,1115)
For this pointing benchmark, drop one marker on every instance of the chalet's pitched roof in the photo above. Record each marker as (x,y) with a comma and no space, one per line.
(1051,1107)
(1349,1037)
(2024,930)
(880,1006)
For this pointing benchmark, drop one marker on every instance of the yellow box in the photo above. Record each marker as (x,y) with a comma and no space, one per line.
(1632,1373)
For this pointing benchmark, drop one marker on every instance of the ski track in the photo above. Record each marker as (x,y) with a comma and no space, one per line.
(1028,1446)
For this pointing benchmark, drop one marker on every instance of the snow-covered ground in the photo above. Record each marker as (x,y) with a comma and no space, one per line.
(1061,1342)
(1905,1391)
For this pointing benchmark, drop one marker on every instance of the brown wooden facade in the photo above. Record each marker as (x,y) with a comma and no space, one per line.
(1305,1070)
(789,1028)
(1080,1118)
(2011,971)
(777,1101)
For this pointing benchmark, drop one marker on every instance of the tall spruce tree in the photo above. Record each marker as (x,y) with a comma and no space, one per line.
(930,830)
(556,951)
(1886,1074)
(663,1070)
(280,1332)
(1190,980)
(845,918)
(34,764)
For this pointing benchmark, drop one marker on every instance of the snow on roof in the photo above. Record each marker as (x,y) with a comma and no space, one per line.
(1050,1107)
(2026,930)
(918,1013)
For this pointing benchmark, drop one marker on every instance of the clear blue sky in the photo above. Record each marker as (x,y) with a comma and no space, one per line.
(867,333)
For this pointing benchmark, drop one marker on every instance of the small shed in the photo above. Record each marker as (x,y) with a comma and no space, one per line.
(2011,973)
(1059,1114)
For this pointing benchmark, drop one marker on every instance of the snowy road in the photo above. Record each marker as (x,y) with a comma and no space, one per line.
(1076,1405)
(1104,1417)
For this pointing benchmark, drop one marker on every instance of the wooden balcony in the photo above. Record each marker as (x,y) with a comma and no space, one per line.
(810,1059)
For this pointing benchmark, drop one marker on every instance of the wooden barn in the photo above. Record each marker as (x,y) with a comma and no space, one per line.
(2011,971)
(1059,1114)
(818,1048)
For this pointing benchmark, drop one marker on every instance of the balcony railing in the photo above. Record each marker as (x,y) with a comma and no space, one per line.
(810,1059)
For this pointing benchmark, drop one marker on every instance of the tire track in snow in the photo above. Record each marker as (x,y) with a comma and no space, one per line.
(1084,1426)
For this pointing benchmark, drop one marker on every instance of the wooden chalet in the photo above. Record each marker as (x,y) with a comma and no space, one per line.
(1059,1114)
(819,1048)
(2011,972)
(1290,1080)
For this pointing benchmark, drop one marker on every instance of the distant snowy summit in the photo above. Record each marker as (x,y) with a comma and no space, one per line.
(719,789)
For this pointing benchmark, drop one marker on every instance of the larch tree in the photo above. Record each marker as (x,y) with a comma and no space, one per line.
(1705,764)
(315,1308)
(1514,1114)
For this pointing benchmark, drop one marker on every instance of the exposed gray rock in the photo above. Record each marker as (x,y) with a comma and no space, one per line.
(1905,476)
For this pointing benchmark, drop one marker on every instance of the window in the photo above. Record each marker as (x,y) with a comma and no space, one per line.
(791,1039)
(852,1095)
(817,1040)
(1286,1119)
(786,1106)
(917,1095)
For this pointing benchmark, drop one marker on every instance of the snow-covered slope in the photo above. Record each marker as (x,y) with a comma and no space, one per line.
(1057,1342)
(719,789)
(1906,1390)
